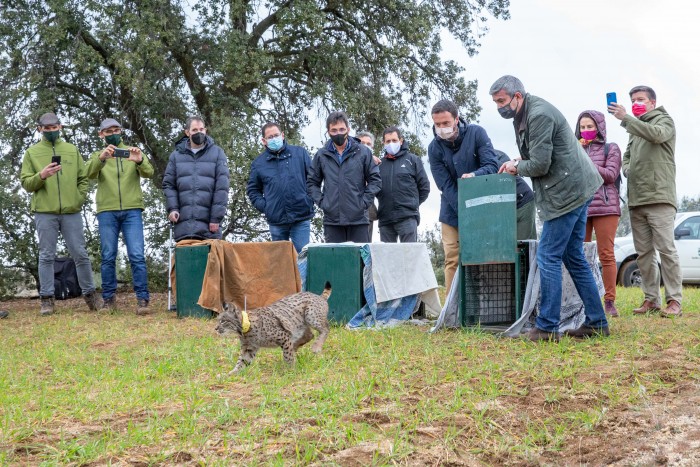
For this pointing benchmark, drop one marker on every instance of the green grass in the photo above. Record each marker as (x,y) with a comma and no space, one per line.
(81,388)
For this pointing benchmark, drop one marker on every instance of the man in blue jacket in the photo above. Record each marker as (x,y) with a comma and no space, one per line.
(459,150)
(277,187)
(350,180)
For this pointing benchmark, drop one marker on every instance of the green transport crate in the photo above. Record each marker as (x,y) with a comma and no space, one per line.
(490,266)
(342,266)
(190,266)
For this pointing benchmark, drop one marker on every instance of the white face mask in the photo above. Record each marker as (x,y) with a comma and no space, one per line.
(392,148)
(445,133)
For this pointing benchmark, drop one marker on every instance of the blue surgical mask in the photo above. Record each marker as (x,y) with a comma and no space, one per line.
(392,148)
(275,144)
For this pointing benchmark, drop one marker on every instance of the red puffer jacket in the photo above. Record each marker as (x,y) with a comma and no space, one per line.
(606,201)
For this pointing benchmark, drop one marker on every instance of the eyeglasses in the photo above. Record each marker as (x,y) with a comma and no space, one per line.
(274,136)
(112,131)
(337,131)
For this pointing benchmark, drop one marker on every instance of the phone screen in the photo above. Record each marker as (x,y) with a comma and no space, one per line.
(56,160)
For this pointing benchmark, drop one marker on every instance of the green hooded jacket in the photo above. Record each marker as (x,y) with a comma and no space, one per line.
(63,193)
(649,161)
(118,181)
(563,176)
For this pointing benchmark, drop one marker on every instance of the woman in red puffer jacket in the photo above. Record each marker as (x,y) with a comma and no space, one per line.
(604,211)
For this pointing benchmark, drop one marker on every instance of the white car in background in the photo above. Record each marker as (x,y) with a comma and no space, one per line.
(687,240)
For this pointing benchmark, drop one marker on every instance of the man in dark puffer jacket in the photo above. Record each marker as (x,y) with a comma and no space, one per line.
(405,186)
(196,184)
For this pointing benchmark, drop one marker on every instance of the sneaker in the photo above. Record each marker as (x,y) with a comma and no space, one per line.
(647,307)
(672,310)
(94,302)
(584,332)
(109,304)
(610,309)
(46,306)
(142,307)
(536,335)
(4,314)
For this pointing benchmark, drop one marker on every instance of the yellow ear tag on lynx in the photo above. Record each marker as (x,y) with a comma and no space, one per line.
(245,322)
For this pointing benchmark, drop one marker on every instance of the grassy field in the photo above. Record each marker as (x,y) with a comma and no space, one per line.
(98,388)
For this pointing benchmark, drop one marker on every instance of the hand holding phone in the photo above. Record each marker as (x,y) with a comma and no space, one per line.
(611,98)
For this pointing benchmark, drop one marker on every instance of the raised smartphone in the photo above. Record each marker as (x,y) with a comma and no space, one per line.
(612,97)
(56,160)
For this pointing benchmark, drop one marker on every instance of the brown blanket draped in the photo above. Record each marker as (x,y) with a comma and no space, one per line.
(261,272)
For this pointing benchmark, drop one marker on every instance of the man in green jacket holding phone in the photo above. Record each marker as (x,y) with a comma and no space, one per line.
(119,169)
(53,171)
(650,167)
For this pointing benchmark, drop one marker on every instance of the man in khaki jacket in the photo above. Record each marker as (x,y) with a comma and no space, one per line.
(650,167)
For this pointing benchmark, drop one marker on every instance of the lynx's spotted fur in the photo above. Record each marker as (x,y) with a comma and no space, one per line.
(286,323)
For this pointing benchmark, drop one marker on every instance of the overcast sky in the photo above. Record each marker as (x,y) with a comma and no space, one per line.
(573,53)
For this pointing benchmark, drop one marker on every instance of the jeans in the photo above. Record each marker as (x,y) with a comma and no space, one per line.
(562,241)
(71,227)
(298,233)
(130,223)
(405,230)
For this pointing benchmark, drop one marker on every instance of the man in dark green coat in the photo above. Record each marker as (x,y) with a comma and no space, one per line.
(564,180)
(650,167)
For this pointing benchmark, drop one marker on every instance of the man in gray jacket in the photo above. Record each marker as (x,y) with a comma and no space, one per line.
(564,180)
(196,184)
(650,167)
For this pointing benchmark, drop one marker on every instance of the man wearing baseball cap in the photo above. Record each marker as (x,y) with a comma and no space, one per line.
(118,169)
(53,171)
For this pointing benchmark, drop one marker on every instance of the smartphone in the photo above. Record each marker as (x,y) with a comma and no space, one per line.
(56,160)
(612,97)
(121,153)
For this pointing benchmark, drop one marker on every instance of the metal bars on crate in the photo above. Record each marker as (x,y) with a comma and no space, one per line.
(493,294)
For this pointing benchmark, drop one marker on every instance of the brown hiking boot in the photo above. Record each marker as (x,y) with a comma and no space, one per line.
(109,304)
(94,302)
(46,306)
(610,309)
(536,335)
(142,307)
(672,310)
(647,307)
(585,332)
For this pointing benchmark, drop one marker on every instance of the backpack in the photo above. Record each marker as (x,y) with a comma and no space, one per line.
(65,279)
(618,180)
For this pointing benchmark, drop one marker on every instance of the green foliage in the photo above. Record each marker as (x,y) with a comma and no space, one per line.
(151,63)
(689,204)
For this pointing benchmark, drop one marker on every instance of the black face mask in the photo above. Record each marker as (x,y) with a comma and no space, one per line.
(339,139)
(506,111)
(51,136)
(198,138)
